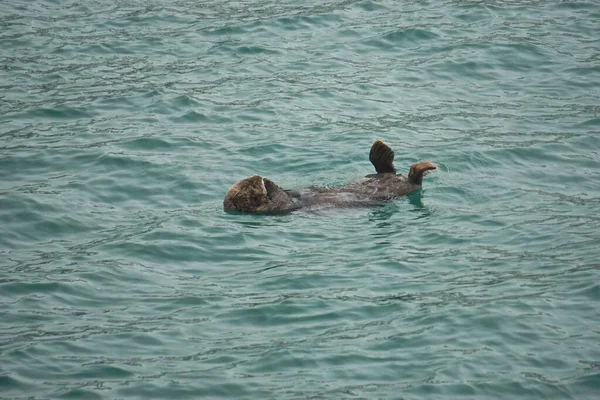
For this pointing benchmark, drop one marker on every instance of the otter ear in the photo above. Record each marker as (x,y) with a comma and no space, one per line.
(382,157)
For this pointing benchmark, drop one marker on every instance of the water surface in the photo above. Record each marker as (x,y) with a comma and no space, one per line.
(123,124)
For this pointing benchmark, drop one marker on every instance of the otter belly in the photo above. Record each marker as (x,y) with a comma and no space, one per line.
(367,191)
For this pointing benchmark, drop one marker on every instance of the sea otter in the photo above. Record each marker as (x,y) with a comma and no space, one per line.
(262,196)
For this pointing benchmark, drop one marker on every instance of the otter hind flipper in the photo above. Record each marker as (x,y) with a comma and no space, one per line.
(382,157)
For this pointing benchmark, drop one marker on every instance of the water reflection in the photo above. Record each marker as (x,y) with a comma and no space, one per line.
(379,214)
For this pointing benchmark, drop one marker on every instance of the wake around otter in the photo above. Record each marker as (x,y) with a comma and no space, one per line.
(262,196)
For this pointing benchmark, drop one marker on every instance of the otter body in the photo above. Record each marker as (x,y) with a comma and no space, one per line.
(261,195)
(375,188)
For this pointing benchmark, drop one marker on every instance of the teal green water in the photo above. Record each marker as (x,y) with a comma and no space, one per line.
(123,124)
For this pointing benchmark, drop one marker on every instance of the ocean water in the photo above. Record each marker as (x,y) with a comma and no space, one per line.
(123,124)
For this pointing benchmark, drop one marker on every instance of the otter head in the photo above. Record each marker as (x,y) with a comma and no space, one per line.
(415,175)
(257,195)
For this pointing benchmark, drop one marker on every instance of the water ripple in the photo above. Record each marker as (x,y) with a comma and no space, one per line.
(123,124)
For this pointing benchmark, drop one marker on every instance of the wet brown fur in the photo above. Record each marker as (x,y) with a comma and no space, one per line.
(247,194)
(261,195)
(415,175)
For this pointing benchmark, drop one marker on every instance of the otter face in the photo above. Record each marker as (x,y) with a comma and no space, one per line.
(257,195)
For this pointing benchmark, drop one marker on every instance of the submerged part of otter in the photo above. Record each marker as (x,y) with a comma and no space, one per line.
(261,195)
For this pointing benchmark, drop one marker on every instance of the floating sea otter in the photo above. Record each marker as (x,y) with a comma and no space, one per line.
(262,196)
